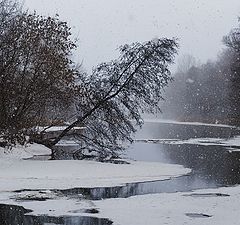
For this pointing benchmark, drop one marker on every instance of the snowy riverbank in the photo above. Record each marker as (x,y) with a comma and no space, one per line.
(16,173)
(164,121)
(208,207)
(215,206)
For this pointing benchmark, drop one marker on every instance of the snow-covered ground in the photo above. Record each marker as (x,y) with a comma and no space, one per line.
(208,207)
(16,173)
(175,208)
(216,206)
(56,128)
(27,174)
(22,152)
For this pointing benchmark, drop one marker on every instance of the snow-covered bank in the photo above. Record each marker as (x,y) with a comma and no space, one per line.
(175,208)
(56,128)
(23,152)
(192,208)
(16,173)
(186,123)
(22,174)
(208,207)
(234,142)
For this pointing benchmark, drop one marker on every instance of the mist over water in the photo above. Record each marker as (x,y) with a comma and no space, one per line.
(205,92)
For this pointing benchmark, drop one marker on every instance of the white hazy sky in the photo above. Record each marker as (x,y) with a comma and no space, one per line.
(102,25)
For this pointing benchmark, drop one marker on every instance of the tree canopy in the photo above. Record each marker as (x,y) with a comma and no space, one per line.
(36,72)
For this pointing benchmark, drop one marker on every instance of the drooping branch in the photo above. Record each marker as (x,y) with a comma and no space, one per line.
(139,65)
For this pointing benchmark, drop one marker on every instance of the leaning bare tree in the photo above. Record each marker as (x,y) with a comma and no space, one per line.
(113,98)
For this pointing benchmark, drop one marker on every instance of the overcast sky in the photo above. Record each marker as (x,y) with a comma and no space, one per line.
(102,25)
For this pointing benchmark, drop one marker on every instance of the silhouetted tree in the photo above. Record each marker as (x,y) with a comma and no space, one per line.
(116,93)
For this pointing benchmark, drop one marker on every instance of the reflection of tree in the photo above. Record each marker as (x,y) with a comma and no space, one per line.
(12,215)
(15,215)
(104,192)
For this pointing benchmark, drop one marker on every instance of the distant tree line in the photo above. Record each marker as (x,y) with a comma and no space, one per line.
(208,92)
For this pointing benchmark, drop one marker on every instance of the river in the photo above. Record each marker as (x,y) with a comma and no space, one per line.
(212,166)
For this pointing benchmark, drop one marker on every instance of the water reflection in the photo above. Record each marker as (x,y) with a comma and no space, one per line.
(15,215)
(210,164)
(181,184)
(213,163)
